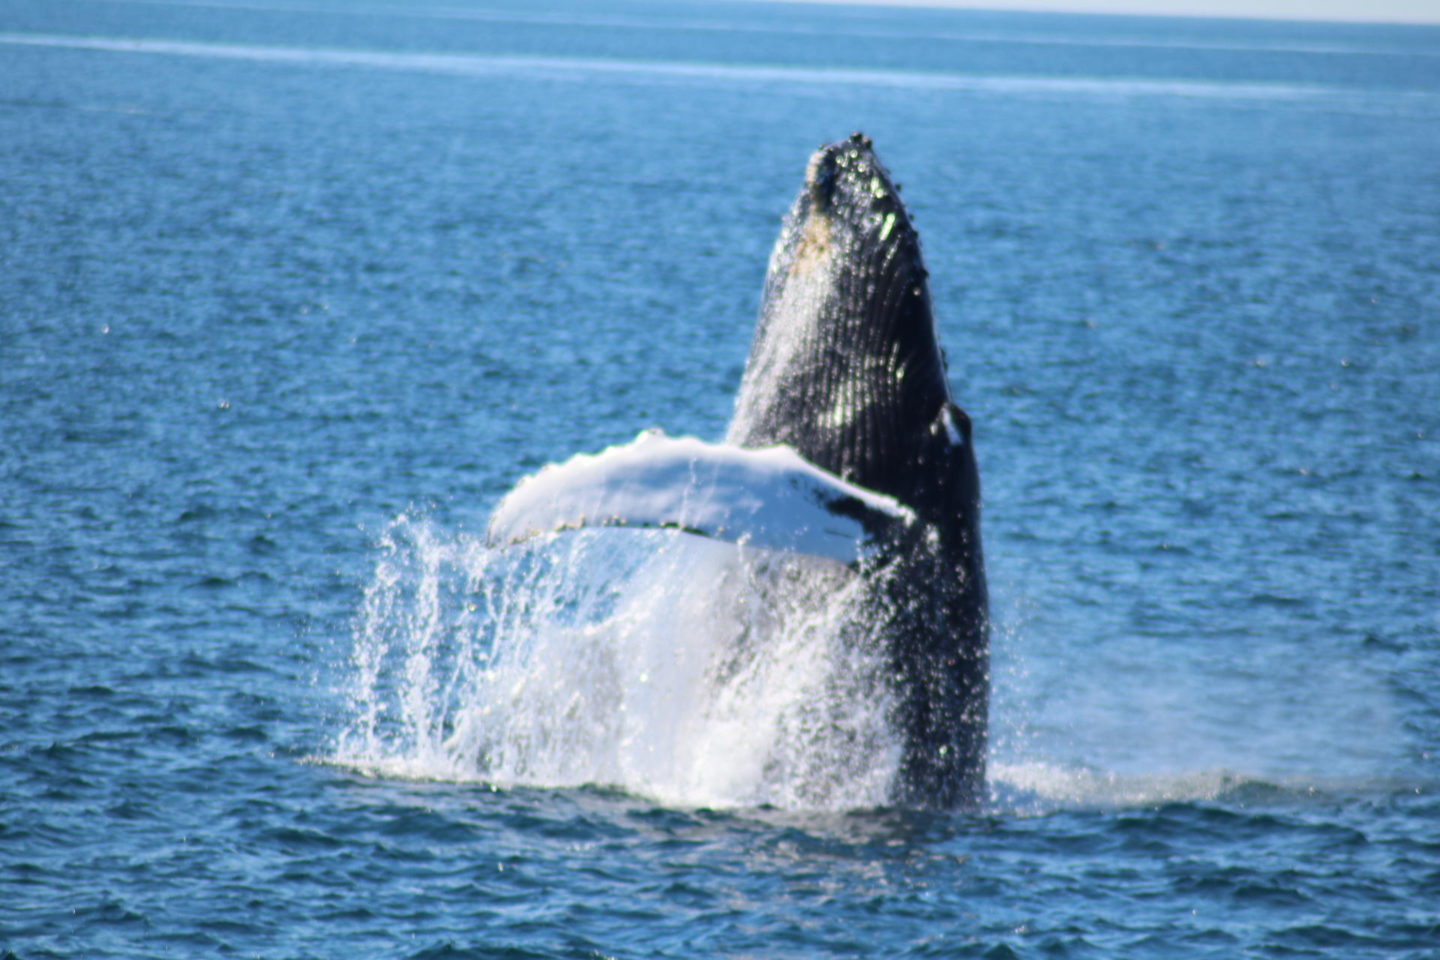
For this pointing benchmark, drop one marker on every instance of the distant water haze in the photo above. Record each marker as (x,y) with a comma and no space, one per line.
(1382,11)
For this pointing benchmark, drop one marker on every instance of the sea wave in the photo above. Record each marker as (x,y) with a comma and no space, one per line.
(582,68)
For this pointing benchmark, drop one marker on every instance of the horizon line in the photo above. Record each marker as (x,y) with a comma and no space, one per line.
(1408,15)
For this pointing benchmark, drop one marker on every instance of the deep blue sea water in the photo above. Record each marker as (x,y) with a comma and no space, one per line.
(291,294)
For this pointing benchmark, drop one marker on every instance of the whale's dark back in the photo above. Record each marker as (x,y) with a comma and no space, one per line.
(845,367)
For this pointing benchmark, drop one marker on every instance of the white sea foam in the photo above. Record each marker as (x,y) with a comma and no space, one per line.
(1044,786)
(693,672)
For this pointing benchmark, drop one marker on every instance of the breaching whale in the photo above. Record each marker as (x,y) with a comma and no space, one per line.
(845,444)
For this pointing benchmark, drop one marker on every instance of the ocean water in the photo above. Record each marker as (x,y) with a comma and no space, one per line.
(292,293)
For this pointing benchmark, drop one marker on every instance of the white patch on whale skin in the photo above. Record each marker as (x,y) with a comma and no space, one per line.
(815,250)
(770,498)
(952,432)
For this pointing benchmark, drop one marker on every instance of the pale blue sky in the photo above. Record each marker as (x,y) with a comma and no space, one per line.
(1395,11)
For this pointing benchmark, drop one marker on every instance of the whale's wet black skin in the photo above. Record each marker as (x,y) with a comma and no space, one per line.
(845,367)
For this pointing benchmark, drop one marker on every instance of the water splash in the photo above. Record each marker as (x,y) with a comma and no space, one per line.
(693,672)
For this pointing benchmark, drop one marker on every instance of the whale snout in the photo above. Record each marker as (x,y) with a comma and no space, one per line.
(840,173)
(847,184)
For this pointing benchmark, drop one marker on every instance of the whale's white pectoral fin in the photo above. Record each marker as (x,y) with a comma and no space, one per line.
(771,498)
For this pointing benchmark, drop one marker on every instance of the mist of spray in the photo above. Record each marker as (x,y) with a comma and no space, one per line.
(693,672)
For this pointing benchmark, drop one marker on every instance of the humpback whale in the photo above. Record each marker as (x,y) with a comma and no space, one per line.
(844,443)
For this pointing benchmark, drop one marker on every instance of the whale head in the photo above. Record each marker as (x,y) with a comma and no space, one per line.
(845,366)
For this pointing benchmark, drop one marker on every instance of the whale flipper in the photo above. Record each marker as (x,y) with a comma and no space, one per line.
(771,498)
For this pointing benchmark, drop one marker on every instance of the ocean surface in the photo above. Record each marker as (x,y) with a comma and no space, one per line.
(292,293)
